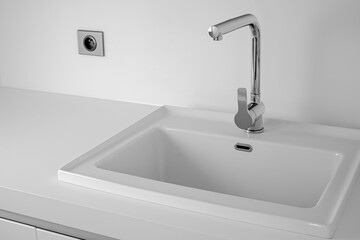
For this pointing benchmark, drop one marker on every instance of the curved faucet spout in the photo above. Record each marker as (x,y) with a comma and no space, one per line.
(217,31)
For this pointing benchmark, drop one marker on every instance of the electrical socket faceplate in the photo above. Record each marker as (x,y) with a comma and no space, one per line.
(91,42)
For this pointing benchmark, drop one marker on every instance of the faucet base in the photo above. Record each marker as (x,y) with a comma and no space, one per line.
(257,127)
(249,130)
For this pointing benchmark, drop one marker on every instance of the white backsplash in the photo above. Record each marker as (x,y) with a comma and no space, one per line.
(159,52)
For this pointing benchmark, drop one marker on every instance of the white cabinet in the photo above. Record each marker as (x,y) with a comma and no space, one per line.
(46,235)
(10,230)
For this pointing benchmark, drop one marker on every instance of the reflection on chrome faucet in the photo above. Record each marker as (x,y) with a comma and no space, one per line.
(249,116)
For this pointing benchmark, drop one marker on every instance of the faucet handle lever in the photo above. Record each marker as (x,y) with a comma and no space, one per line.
(243,118)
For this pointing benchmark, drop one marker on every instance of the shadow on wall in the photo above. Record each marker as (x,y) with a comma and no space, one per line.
(332,87)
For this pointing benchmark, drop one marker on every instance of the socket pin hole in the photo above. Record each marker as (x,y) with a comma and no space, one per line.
(243,147)
(90,43)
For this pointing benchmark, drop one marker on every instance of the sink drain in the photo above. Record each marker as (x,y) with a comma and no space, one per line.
(243,147)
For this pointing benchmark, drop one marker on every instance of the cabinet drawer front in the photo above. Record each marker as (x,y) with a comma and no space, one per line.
(47,235)
(10,230)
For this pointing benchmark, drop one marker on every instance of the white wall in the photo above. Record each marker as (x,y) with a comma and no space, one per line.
(159,52)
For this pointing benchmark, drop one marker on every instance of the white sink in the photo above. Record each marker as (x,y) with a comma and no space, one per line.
(296,176)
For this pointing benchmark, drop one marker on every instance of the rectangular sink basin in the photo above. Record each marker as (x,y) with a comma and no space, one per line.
(273,173)
(294,176)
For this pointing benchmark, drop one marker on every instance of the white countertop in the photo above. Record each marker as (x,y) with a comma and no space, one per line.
(41,132)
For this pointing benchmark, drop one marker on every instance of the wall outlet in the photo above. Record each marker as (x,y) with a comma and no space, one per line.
(91,43)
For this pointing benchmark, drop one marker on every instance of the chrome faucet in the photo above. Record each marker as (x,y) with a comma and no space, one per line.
(249,116)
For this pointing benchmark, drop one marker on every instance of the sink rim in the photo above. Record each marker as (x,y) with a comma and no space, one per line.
(320,220)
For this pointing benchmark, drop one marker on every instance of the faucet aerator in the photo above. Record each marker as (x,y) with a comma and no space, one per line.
(219,38)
